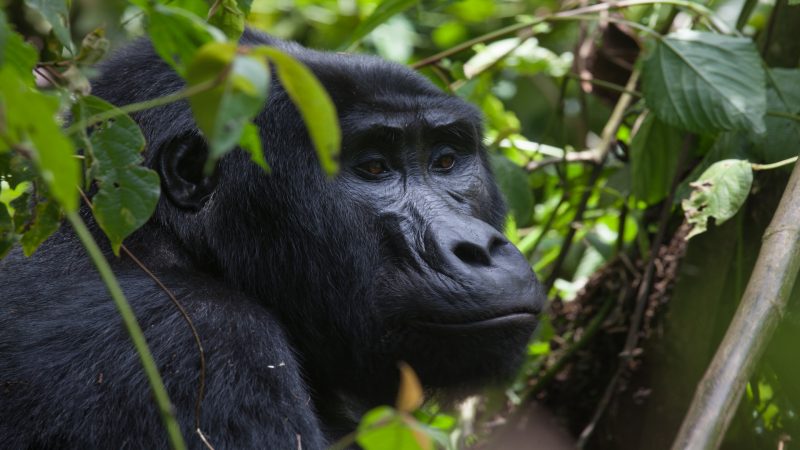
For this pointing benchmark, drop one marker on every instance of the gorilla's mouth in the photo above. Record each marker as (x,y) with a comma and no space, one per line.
(517,318)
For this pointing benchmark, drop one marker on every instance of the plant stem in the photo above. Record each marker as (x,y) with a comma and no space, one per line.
(762,306)
(141,106)
(599,7)
(133,328)
(785,115)
(774,165)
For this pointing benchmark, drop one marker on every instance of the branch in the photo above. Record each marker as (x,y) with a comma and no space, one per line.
(762,306)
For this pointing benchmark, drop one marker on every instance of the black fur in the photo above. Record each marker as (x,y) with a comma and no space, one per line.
(305,291)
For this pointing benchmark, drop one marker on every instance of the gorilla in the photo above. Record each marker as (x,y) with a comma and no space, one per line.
(305,290)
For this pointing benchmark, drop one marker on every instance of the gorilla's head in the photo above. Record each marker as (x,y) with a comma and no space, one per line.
(400,257)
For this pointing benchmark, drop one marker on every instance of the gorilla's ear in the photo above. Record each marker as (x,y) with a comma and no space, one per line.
(181,163)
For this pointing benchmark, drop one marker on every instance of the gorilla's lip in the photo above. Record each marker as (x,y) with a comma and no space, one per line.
(505,320)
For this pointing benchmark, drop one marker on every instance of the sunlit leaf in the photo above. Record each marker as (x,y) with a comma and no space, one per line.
(704,82)
(314,103)
(251,143)
(127,192)
(31,125)
(719,193)
(56,13)
(93,47)
(385,10)
(223,111)
(384,428)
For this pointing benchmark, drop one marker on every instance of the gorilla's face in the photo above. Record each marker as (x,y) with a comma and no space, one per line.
(454,298)
(400,257)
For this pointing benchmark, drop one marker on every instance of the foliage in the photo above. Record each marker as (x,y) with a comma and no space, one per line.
(593,162)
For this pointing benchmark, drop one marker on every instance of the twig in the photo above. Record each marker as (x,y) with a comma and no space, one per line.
(586,156)
(134,330)
(186,318)
(762,306)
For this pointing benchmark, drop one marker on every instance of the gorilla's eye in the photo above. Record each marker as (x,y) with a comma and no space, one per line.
(444,162)
(373,167)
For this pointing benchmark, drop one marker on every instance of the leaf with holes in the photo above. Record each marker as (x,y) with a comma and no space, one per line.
(223,111)
(719,193)
(705,82)
(127,193)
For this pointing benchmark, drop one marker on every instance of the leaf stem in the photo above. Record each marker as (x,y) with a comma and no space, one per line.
(134,330)
(785,115)
(141,106)
(774,165)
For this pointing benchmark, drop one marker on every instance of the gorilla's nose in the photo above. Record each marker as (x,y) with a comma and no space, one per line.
(478,250)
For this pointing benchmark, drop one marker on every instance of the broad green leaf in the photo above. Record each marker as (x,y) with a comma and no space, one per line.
(705,82)
(228,17)
(314,103)
(384,428)
(654,158)
(251,143)
(127,193)
(513,182)
(56,13)
(46,219)
(385,10)
(177,34)
(15,52)
(223,111)
(719,193)
(32,124)
(782,139)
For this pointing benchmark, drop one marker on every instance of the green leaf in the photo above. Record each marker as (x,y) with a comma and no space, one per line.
(654,159)
(251,143)
(127,193)
(223,111)
(177,34)
(719,193)
(705,82)
(228,17)
(314,103)
(56,13)
(526,57)
(15,52)
(385,10)
(384,428)
(513,182)
(783,133)
(31,125)
(46,219)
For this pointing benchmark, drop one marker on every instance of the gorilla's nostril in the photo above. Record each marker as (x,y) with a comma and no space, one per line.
(472,254)
(496,244)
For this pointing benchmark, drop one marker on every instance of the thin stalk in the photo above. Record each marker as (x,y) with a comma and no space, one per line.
(774,165)
(141,106)
(600,7)
(134,330)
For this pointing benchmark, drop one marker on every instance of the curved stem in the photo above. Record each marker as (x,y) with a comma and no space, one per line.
(133,328)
